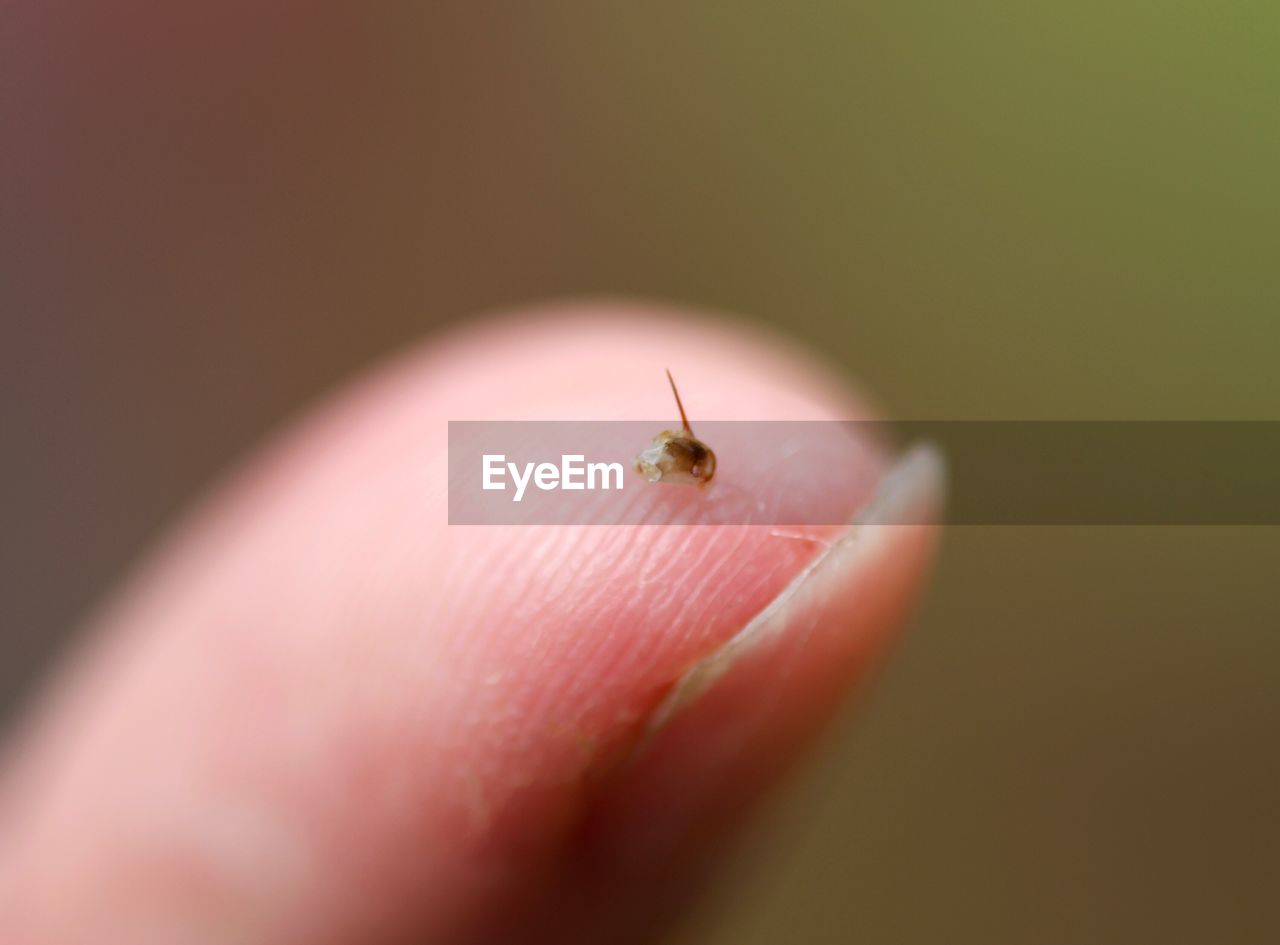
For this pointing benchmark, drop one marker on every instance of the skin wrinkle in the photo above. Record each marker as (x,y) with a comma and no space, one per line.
(609,755)
(571,572)
(703,602)
(698,605)
(691,614)
(696,608)
(628,726)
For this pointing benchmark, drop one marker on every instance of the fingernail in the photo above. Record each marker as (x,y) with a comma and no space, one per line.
(740,716)
(910,493)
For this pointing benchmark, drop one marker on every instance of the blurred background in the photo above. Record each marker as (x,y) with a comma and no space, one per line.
(211,213)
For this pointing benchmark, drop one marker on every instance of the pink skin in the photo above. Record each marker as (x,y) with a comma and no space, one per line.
(320,714)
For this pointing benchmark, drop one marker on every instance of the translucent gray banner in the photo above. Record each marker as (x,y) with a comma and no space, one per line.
(822,473)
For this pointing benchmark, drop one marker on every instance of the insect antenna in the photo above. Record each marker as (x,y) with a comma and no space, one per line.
(684,421)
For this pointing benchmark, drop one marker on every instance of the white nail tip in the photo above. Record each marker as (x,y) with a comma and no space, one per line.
(911,492)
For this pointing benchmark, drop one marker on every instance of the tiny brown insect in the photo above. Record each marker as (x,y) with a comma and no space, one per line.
(677,457)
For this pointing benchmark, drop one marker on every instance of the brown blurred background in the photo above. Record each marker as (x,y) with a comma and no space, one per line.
(995,210)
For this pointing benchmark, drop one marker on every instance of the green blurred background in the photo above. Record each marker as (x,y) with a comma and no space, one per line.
(985,210)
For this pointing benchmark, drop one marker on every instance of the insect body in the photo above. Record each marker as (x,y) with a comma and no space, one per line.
(677,456)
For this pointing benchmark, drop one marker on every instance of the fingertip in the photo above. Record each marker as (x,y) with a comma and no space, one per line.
(432,715)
